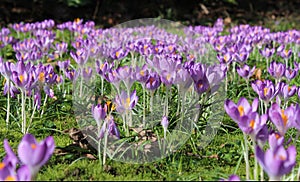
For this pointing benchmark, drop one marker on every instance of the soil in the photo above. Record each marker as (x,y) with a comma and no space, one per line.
(107,13)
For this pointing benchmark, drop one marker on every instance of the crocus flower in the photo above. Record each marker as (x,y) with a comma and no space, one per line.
(80,56)
(124,102)
(245,71)
(242,110)
(276,70)
(266,52)
(226,58)
(7,173)
(165,122)
(277,161)
(290,73)
(297,116)
(126,74)
(232,177)
(110,126)
(286,91)
(99,113)
(35,154)
(10,159)
(285,54)
(153,81)
(265,89)
(242,57)
(282,119)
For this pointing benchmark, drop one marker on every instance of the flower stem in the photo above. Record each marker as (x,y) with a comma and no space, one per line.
(246,157)
(23,98)
(105,146)
(8,105)
(144,108)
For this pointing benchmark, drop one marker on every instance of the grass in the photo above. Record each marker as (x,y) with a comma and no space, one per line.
(222,157)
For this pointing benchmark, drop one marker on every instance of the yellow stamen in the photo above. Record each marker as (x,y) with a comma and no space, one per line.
(142,73)
(265,91)
(128,101)
(2,165)
(21,77)
(168,77)
(282,157)
(58,79)
(284,118)
(241,110)
(117,54)
(33,146)
(226,58)
(252,123)
(10,178)
(101,66)
(42,76)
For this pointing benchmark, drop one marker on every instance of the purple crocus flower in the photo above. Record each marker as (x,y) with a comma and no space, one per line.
(245,71)
(297,116)
(87,73)
(275,141)
(124,102)
(285,54)
(290,73)
(277,161)
(266,52)
(153,81)
(10,159)
(265,89)
(125,73)
(276,70)
(242,57)
(64,65)
(99,113)
(35,154)
(286,91)
(242,110)
(165,122)
(110,126)
(183,80)
(232,177)
(282,119)
(226,58)
(142,74)
(80,56)
(7,173)
(71,74)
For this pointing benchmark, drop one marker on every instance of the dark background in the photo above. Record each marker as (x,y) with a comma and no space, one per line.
(107,13)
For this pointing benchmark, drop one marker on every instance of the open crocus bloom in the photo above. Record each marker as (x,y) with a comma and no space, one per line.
(282,119)
(277,161)
(39,152)
(241,110)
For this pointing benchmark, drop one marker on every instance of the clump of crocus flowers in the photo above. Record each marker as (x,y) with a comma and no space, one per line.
(279,159)
(32,156)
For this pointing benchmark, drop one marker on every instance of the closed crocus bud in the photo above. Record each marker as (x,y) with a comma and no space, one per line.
(35,154)
(99,113)
(165,122)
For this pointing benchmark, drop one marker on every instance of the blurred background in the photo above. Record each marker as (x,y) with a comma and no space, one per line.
(107,13)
